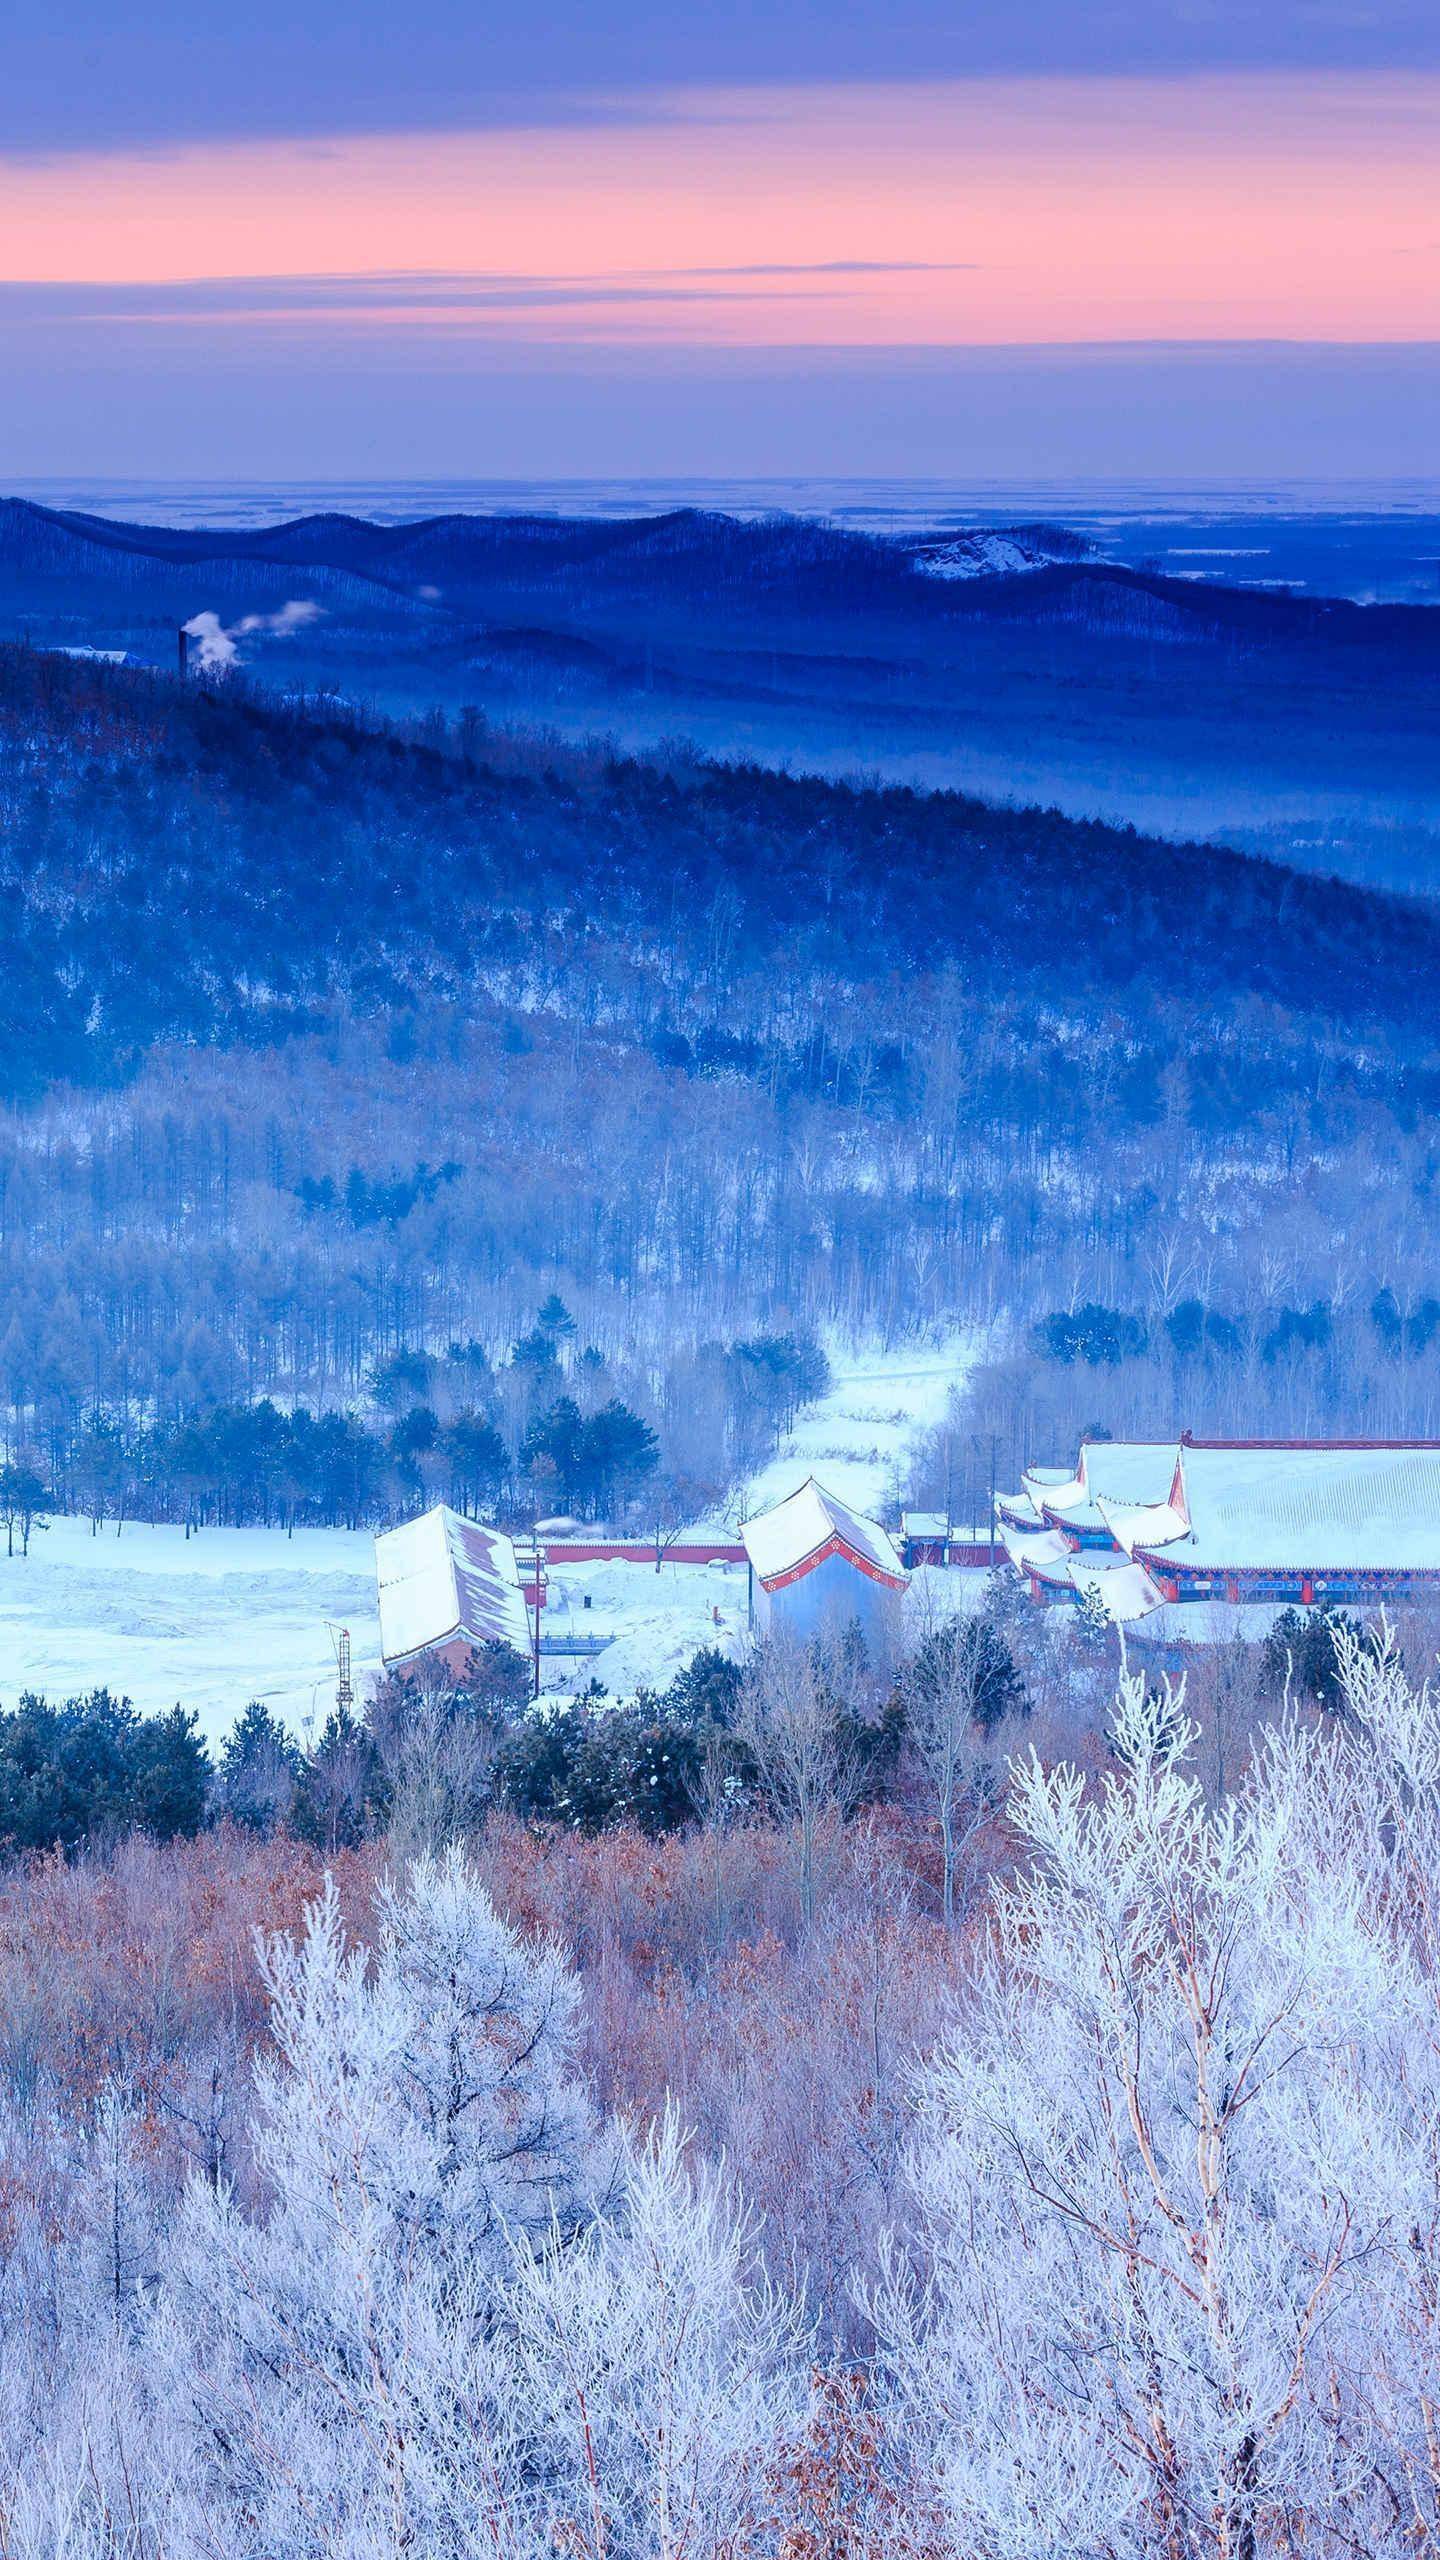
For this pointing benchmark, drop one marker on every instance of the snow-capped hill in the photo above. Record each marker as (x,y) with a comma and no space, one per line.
(1000,551)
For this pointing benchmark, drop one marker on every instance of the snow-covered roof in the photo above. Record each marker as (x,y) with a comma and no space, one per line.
(1334,1508)
(811,1524)
(1145,1524)
(1123,1471)
(1125,1591)
(442,1579)
(924,1524)
(1046,1552)
(1017,1508)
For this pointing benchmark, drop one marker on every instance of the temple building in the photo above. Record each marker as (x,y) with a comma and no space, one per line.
(447,1585)
(818,1568)
(1140,1524)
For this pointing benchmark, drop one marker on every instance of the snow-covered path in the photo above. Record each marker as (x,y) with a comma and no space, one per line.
(858,1440)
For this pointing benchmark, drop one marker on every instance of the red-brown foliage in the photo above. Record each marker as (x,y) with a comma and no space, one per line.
(788,2053)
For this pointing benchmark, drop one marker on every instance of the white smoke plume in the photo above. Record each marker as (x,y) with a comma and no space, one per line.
(215,644)
(291,617)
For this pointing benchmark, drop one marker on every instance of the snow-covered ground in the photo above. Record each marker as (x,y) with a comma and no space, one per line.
(207,1622)
(655,1622)
(212,1621)
(859,1439)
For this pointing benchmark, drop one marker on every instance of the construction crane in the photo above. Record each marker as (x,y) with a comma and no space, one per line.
(344,1684)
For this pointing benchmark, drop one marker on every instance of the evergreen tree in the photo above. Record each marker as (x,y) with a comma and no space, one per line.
(260,1769)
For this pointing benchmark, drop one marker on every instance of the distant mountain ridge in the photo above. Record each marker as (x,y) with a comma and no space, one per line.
(1009,662)
(463,563)
(999,551)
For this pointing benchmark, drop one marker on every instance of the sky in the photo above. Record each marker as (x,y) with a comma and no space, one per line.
(1129,239)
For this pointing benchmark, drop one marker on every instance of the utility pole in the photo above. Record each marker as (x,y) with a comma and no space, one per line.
(977,1443)
(538,1569)
(994,1445)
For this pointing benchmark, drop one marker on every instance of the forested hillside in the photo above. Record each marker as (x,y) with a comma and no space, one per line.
(334,1052)
(1308,722)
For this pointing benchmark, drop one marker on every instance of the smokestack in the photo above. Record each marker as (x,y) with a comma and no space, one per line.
(182,645)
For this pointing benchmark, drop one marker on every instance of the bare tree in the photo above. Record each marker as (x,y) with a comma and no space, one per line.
(682,1501)
(804,1743)
(436,1733)
(944,1688)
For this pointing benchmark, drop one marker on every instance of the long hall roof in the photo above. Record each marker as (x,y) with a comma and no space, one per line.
(1328,1506)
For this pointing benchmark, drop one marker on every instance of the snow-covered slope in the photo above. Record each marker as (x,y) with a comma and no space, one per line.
(1000,551)
(858,1440)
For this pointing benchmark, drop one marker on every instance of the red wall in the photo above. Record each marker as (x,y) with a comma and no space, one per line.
(634,1551)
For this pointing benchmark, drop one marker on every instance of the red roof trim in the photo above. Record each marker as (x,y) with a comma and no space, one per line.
(1060,1520)
(432,1644)
(1054,1573)
(1165,1561)
(1188,1441)
(834,1545)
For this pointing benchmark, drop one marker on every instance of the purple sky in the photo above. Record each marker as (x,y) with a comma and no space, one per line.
(786,236)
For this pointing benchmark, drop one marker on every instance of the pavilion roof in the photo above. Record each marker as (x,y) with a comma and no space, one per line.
(1126,1591)
(1044,1552)
(811,1523)
(1125,1471)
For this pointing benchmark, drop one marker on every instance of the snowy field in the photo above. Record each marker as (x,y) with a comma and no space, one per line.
(207,1622)
(212,1621)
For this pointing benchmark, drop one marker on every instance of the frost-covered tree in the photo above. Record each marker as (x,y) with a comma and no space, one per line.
(1179,2218)
(420,2119)
(659,2366)
(805,1745)
(117,2213)
(958,1685)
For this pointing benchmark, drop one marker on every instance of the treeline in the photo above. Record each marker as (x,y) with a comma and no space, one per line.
(253,1464)
(539,1432)
(435,1750)
(1102,1337)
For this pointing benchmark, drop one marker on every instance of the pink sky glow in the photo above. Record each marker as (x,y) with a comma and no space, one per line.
(1002,212)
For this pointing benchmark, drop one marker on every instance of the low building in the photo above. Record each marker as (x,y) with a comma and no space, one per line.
(924,1538)
(447,1585)
(1281,1522)
(817,1568)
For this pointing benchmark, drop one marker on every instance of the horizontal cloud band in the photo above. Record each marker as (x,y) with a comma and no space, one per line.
(974,213)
